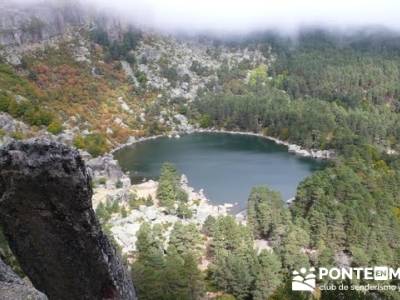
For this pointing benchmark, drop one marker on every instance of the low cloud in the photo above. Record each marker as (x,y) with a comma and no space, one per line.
(248,15)
(241,16)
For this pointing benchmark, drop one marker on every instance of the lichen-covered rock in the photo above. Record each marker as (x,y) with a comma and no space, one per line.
(12,287)
(47,216)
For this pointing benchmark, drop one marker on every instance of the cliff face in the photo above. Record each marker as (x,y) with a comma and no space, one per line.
(45,20)
(28,23)
(47,216)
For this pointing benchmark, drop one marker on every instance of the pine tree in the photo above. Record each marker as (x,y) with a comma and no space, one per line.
(169,190)
(267,215)
(269,275)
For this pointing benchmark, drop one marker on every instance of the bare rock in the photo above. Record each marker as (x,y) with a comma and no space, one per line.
(12,287)
(9,125)
(48,219)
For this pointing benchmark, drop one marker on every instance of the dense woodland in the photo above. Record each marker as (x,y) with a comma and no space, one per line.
(345,215)
(323,91)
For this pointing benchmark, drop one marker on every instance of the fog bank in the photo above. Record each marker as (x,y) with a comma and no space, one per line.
(250,15)
(238,16)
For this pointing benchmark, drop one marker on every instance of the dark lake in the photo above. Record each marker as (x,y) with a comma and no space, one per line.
(226,166)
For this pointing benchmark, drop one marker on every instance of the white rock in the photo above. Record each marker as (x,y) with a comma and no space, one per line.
(118,121)
(109,131)
(124,105)
(150,213)
(260,245)
(125,236)
(82,54)
(131,140)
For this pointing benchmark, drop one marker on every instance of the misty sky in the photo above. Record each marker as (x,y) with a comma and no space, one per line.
(245,15)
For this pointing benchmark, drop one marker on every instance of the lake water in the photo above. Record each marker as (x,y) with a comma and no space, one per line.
(226,166)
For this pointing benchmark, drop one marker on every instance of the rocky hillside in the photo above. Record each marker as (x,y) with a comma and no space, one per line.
(180,68)
(75,75)
(96,82)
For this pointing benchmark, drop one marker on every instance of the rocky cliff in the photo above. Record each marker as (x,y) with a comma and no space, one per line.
(27,27)
(22,24)
(46,212)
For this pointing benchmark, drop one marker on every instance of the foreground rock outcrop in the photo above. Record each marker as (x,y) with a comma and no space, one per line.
(46,212)
(13,287)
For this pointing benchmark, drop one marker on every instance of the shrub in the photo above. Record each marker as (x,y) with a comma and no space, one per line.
(4,102)
(112,206)
(26,111)
(171,74)
(124,213)
(102,213)
(199,69)
(55,127)
(118,184)
(205,121)
(95,143)
(102,181)
(134,203)
(141,77)
(12,82)
(32,75)
(19,110)
(18,135)
(79,142)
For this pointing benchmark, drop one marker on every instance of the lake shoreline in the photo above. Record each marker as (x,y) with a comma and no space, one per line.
(292,148)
